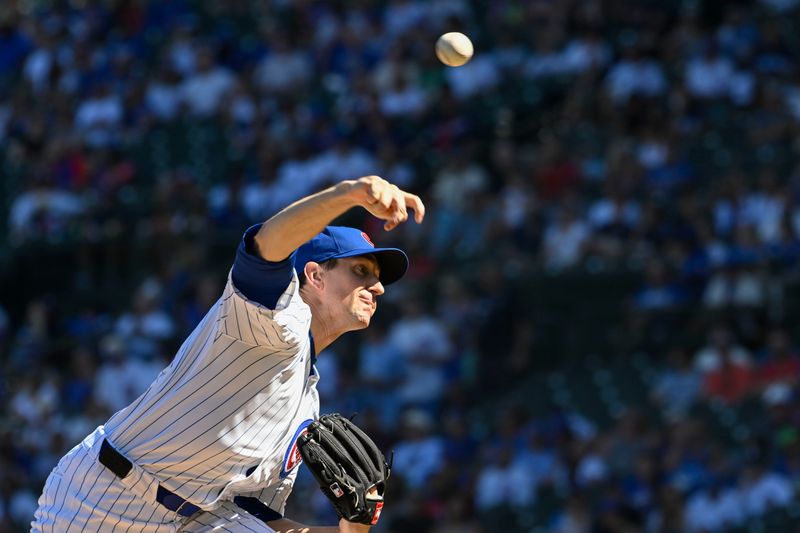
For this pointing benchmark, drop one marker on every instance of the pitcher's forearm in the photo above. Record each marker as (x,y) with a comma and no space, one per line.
(299,222)
(293,226)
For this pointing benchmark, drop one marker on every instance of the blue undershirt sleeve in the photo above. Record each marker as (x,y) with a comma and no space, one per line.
(260,280)
(255,507)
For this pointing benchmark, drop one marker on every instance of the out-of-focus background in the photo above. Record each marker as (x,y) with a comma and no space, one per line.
(599,329)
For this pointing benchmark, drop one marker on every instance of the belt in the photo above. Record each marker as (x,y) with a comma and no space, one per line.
(121,466)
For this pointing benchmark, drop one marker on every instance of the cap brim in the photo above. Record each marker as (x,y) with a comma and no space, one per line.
(393,262)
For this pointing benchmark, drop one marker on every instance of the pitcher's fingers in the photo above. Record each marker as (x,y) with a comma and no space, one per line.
(414,202)
(386,198)
(399,204)
(399,217)
(384,213)
(373,193)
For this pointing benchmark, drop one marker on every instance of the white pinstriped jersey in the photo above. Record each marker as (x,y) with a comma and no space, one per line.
(221,419)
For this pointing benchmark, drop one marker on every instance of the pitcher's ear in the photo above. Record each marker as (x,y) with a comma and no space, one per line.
(313,272)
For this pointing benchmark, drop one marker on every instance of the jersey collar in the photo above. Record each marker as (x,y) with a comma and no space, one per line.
(313,351)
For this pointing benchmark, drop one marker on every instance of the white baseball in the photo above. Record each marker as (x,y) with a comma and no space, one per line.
(454,49)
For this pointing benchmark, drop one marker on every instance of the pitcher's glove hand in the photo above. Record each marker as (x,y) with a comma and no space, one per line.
(347,465)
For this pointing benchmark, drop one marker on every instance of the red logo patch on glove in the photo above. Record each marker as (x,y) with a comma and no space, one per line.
(377,515)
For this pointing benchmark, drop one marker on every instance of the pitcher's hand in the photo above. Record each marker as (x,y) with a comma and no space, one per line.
(386,201)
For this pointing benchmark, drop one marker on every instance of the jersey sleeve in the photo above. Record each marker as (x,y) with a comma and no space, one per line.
(259,280)
(261,304)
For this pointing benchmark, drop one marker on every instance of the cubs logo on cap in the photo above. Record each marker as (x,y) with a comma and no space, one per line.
(338,242)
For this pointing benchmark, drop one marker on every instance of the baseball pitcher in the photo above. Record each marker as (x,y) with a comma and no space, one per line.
(215,441)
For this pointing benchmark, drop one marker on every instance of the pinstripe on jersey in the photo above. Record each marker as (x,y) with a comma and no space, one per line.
(228,404)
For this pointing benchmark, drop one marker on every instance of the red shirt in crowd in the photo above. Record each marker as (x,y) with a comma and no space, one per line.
(730,382)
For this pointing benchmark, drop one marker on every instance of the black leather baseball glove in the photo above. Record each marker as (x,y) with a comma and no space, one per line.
(346,464)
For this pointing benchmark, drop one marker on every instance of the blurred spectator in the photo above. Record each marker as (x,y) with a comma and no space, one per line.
(501,482)
(634,74)
(460,446)
(419,451)
(764,207)
(390,164)
(592,468)
(403,99)
(541,464)
(721,344)
(180,49)
(709,74)
(344,160)
(283,69)
(78,385)
(206,87)
(163,93)
(615,513)
(120,379)
(762,490)
(99,117)
(730,381)
(41,62)
(14,42)
(380,369)
(613,216)
(576,517)
(555,173)
(43,211)
(33,339)
(403,15)
(659,292)
(565,239)
(424,347)
(669,517)
(678,384)
(34,399)
(735,286)
(22,504)
(480,75)
(714,508)
(780,362)
(456,189)
(587,52)
(546,59)
(459,179)
(146,325)
(672,173)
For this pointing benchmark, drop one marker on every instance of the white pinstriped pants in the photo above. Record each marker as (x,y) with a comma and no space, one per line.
(81,494)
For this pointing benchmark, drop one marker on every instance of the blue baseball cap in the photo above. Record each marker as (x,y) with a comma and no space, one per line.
(338,241)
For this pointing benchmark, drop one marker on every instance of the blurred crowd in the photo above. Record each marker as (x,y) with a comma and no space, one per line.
(139,138)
